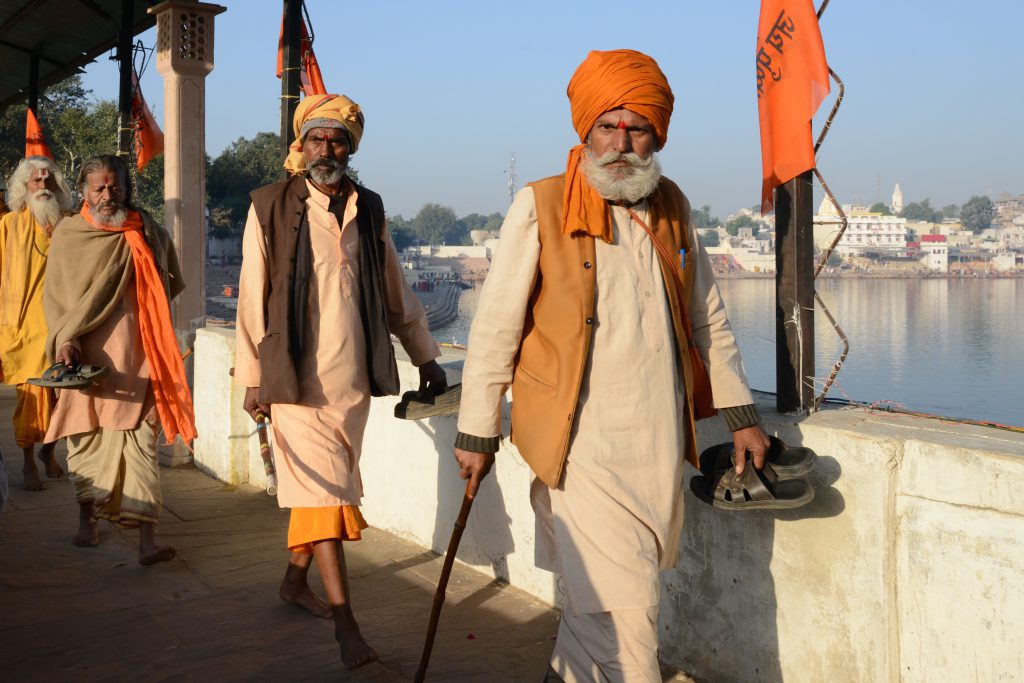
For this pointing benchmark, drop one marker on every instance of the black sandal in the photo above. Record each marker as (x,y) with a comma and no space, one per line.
(415,406)
(753,490)
(60,376)
(787,462)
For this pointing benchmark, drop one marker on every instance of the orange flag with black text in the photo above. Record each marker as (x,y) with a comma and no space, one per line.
(35,144)
(149,139)
(792,81)
(310,77)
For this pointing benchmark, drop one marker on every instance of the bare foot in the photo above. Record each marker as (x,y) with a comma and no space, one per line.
(88,534)
(53,468)
(355,652)
(305,598)
(33,482)
(150,557)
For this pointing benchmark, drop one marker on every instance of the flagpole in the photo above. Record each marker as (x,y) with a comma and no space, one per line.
(290,65)
(124,96)
(794,295)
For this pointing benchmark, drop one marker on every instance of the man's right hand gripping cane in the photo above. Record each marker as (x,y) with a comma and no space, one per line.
(473,466)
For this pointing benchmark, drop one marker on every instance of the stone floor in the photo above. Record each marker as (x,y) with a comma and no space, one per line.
(70,613)
(212,613)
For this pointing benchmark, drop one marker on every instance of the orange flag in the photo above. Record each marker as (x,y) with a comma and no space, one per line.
(149,139)
(35,144)
(792,81)
(310,77)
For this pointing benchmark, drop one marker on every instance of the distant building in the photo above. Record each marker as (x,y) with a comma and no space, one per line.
(897,200)
(1008,207)
(934,252)
(867,233)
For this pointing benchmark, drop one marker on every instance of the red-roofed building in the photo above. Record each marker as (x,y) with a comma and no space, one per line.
(934,252)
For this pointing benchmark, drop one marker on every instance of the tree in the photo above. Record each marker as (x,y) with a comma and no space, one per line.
(709,238)
(922,211)
(149,188)
(951,211)
(402,233)
(436,224)
(702,218)
(879,207)
(494,222)
(741,221)
(977,214)
(243,166)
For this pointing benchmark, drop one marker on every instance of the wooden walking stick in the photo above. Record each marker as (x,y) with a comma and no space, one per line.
(442,584)
(265,454)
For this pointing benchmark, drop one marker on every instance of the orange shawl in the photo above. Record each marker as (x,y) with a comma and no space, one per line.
(618,79)
(167,372)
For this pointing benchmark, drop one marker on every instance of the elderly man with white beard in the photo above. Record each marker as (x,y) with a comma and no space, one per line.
(584,313)
(39,197)
(111,276)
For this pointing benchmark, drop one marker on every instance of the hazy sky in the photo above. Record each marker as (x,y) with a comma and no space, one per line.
(452,89)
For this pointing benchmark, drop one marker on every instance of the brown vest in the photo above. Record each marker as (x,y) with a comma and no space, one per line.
(281,211)
(559,327)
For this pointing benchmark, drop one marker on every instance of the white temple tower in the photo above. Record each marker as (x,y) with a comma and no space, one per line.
(897,200)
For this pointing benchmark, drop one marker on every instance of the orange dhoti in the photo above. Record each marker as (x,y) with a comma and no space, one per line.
(309,525)
(32,415)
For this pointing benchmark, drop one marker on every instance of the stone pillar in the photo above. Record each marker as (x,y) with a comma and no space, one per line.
(184,56)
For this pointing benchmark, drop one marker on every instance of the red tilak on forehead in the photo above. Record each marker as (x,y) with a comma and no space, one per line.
(622,124)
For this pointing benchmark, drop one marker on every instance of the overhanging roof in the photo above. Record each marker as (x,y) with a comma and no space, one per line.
(65,35)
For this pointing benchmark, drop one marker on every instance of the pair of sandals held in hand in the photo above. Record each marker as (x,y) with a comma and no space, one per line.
(416,405)
(61,376)
(779,486)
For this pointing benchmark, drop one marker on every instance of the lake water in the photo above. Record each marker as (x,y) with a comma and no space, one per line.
(947,347)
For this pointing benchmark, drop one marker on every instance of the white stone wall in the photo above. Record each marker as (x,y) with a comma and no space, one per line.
(908,565)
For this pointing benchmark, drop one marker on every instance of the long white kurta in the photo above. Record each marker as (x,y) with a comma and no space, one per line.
(616,518)
(620,501)
(318,442)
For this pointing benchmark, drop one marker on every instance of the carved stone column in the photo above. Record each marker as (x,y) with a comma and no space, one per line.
(184,56)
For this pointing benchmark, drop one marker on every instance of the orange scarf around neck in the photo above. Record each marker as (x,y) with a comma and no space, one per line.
(166,369)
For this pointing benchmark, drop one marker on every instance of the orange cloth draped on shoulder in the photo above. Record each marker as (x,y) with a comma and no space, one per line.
(166,369)
(792,81)
(308,525)
(617,79)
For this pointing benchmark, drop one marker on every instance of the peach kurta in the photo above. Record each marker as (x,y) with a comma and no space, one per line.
(319,440)
(118,400)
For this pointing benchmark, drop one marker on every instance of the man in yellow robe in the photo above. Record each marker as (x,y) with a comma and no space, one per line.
(39,197)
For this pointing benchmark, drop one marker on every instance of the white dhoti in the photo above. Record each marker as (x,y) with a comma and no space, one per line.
(118,471)
(616,517)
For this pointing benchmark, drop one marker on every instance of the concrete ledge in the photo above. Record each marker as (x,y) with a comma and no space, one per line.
(906,567)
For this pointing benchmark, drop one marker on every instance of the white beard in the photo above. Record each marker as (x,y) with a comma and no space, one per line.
(45,208)
(329,173)
(114,221)
(639,180)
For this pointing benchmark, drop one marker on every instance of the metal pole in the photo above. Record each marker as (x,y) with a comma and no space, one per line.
(290,65)
(794,295)
(124,96)
(33,84)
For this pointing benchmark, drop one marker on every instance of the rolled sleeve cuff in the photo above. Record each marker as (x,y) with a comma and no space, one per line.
(741,417)
(477,444)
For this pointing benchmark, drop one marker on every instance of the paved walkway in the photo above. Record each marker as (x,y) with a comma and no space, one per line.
(72,614)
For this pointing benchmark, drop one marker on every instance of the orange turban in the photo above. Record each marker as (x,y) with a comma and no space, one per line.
(337,111)
(624,79)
